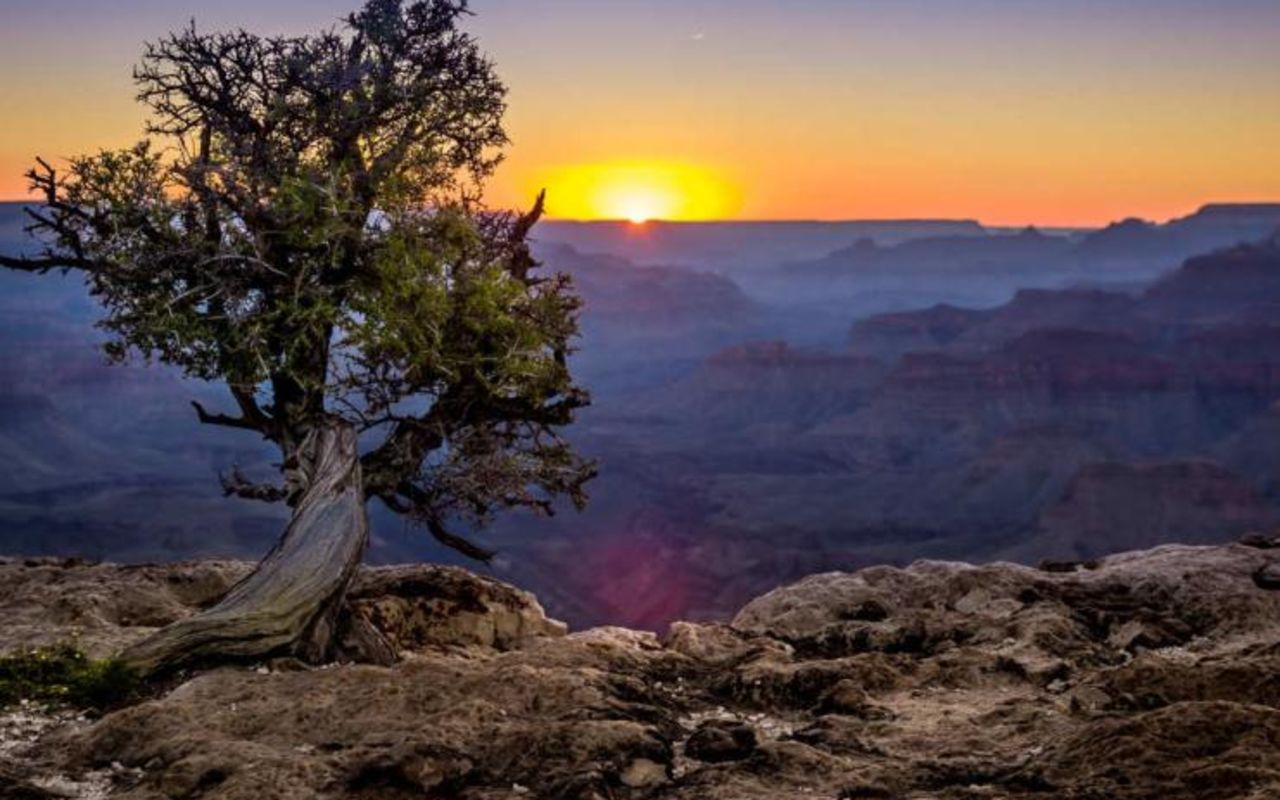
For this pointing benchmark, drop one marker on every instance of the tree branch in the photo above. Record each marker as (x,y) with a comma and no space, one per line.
(46,263)
(467,548)
(417,505)
(251,412)
(404,448)
(223,420)
(522,261)
(238,485)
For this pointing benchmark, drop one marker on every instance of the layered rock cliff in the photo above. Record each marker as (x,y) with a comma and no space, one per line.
(1148,674)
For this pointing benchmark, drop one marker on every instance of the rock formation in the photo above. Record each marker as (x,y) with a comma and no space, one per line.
(1147,674)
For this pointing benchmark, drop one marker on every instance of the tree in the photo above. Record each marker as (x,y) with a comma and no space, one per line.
(311,235)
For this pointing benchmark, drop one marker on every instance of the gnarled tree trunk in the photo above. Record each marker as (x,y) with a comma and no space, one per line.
(292,602)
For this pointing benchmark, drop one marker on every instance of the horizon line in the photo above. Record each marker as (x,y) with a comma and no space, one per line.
(31,200)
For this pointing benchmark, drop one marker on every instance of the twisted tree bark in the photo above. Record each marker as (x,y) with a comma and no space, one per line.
(291,604)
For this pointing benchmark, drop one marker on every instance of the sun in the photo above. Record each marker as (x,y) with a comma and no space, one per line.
(638,196)
(639,207)
(638,192)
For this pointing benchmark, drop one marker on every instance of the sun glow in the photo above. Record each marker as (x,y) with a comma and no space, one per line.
(638,192)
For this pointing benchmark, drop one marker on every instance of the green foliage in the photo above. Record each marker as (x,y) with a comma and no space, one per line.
(308,232)
(64,675)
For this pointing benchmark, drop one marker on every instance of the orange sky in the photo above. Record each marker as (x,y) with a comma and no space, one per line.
(1009,112)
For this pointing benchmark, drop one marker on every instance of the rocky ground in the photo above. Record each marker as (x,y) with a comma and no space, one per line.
(1153,674)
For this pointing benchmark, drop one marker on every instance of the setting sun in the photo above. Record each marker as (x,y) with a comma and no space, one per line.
(636,204)
(638,192)
(638,211)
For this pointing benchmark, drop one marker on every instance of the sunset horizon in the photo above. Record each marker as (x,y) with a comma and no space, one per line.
(1163,215)
(718,111)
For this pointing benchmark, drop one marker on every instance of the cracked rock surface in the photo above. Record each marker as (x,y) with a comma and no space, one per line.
(1153,674)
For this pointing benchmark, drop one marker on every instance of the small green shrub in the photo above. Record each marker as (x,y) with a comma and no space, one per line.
(67,676)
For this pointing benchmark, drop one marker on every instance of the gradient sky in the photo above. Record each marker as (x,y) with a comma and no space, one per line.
(1011,111)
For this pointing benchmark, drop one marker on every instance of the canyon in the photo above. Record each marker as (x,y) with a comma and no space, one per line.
(758,418)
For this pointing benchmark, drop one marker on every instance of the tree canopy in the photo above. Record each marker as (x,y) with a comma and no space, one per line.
(304,224)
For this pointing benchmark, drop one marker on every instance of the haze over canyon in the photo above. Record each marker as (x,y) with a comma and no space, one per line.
(771,400)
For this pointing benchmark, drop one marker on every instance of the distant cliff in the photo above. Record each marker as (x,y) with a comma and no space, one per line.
(1126,251)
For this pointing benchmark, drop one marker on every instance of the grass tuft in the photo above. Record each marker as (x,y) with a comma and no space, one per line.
(64,675)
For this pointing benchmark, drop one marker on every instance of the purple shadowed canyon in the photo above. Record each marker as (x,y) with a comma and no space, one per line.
(771,400)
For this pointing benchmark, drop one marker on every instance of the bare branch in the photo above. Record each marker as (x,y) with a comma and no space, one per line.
(223,420)
(251,412)
(451,540)
(413,502)
(236,484)
(42,264)
(522,261)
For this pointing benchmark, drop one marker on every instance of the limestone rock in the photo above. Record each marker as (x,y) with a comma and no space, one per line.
(423,605)
(1152,674)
